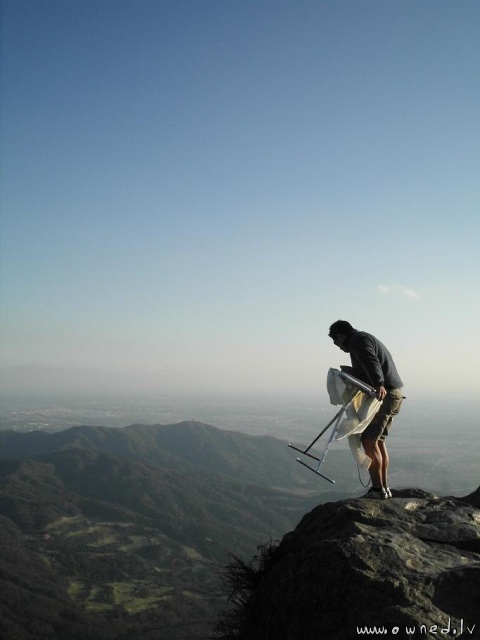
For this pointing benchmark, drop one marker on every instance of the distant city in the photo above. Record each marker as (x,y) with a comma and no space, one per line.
(281,417)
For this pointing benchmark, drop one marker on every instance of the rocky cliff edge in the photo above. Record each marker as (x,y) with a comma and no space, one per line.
(400,568)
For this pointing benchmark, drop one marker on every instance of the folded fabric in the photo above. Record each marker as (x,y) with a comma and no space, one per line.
(360,408)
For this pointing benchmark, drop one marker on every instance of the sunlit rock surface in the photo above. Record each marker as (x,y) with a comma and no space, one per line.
(409,566)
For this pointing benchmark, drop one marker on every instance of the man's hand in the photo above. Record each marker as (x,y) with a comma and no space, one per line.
(381,392)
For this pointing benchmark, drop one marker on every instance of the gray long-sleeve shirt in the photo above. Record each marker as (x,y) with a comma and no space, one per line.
(372,361)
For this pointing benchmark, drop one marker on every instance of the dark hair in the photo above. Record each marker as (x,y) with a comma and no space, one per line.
(340,326)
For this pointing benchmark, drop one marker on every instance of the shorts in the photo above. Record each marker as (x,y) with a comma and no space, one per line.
(379,426)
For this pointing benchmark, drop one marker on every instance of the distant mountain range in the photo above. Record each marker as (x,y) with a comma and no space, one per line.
(138,521)
(187,446)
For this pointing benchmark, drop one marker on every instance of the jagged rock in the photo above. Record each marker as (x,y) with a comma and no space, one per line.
(473,498)
(409,566)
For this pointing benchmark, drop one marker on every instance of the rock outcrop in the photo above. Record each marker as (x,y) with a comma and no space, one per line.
(400,568)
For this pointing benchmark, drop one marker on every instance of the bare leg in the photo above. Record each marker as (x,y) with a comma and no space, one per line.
(375,469)
(382,445)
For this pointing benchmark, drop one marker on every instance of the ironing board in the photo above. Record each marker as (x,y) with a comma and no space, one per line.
(359,405)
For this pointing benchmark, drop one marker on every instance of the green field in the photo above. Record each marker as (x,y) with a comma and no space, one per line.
(117,547)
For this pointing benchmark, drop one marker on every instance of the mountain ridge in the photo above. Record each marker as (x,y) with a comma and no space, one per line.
(188,445)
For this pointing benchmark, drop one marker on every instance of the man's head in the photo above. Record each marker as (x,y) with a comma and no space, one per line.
(340,332)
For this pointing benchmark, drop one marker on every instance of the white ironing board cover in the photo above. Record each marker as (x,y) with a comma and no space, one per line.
(359,413)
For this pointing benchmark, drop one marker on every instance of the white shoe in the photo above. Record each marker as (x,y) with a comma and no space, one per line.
(388,492)
(376,494)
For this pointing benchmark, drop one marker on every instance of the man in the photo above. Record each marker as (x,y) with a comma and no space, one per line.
(372,363)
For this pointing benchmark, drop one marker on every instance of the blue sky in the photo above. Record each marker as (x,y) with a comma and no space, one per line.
(198,189)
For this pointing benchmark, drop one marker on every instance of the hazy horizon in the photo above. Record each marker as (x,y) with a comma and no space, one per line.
(123,406)
(97,381)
